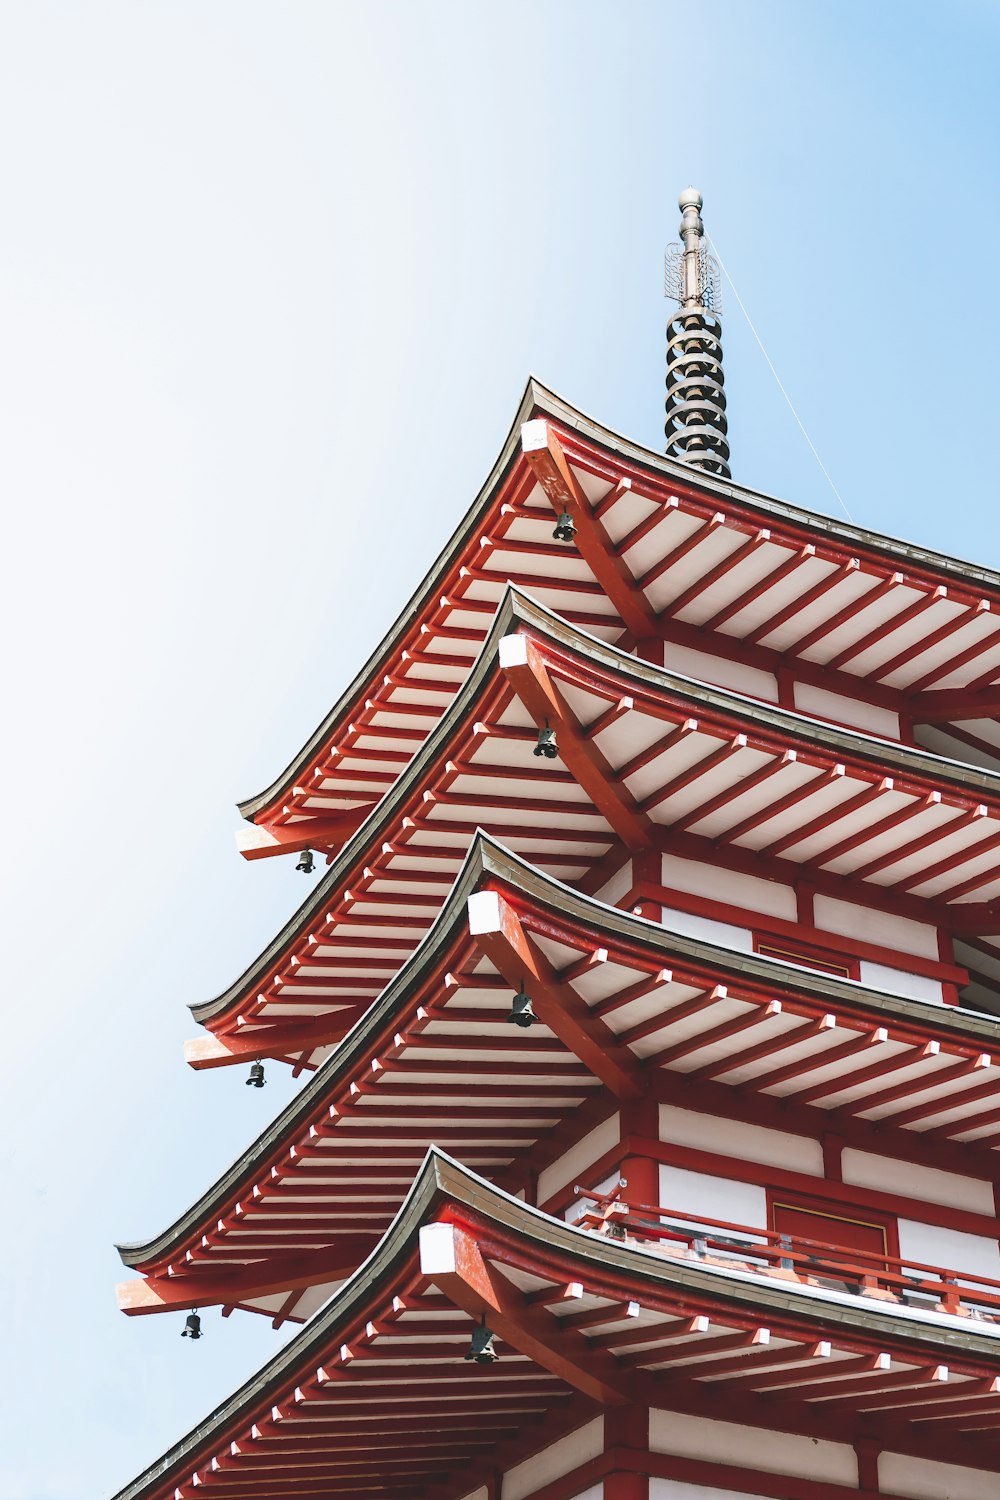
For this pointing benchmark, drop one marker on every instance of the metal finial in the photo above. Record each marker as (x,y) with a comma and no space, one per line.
(695,427)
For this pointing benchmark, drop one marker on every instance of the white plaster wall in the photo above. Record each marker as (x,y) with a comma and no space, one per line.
(621,882)
(949,1248)
(866,716)
(480,1494)
(899,982)
(673,1489)
(752,1448)
(772,1148)
(572,1165)
(724,934)
(880,927)
(863,1169)
(560,1458)
(684,1192)
(923,1479)
(719,670)
(750,891)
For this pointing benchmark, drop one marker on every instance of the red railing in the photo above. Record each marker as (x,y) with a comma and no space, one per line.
(770,1252)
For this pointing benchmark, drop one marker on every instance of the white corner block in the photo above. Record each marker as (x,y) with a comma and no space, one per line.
(437,1249)
(484,912)
(513,651)
(534,435)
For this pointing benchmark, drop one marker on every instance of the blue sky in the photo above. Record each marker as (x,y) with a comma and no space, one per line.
(271,281)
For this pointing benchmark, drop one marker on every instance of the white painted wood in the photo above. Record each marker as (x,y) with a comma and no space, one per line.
(705,667)
(900,982)
(572,1166)
(771,1148)
(718,884)
(513,651)
(871,926)
(740,939)
(924,1479)
(822,704)
(612,892)
(534,435)
(684,1192)
(437,1249)
(863,1169)
(936,1246)
(484,912)
(752,1447)
(559,1458)
(673,1489)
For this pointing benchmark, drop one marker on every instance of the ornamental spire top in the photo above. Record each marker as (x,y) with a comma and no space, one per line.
(695,425)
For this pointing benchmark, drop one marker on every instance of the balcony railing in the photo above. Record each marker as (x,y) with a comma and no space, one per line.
(769,1252)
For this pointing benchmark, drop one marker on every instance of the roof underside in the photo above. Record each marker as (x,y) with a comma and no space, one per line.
(375,1397)
(707,563)
(622,1003)
(647,758)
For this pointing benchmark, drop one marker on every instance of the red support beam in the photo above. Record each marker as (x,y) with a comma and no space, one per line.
(279,1273)
(548,463)
(498,933)
(451,1258)
(252,1043)
(329,831)
(525,670)
(949,704)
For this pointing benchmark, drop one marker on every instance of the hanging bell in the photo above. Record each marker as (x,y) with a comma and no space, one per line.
(546,744)
(306,862)
(522,1012)
(565,530)
(192,1326)
(481,1349)
(256,1079)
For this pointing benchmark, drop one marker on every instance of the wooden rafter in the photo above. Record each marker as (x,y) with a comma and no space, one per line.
(548,463)
(497,930)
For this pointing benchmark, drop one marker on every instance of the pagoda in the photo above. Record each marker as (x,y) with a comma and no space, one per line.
(646,1002)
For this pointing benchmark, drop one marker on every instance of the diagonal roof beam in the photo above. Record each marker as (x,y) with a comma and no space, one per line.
(524,668)
(325,831)
(453,1260)
(253,1043)
(548,463)
(941,705)
(278,1273)
(498,932)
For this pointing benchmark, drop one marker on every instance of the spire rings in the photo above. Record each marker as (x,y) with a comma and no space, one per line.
(696,427)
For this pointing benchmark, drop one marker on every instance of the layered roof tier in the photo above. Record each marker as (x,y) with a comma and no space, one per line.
(649,760)
(627,1011)
(660,552)
(377,1395)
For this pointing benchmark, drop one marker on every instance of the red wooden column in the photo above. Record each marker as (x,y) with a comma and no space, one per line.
(640,1121)
(647,875)
(626,1437)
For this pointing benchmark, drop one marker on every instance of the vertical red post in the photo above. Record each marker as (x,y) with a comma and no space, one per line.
(647,872)
(626,1437)
(640,1120)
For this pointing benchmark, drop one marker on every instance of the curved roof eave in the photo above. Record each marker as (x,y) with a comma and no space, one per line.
(487,857)
(537,398)
(442,1179)
(517,605)
(425,590)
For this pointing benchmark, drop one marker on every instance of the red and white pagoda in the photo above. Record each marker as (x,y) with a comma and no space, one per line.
(702,793)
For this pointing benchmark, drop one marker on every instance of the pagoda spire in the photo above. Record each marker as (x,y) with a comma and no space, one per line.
(695,425)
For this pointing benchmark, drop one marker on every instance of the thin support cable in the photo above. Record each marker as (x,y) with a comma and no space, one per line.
(781,388)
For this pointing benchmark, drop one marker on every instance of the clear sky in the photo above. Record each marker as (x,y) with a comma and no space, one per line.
(272,278)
